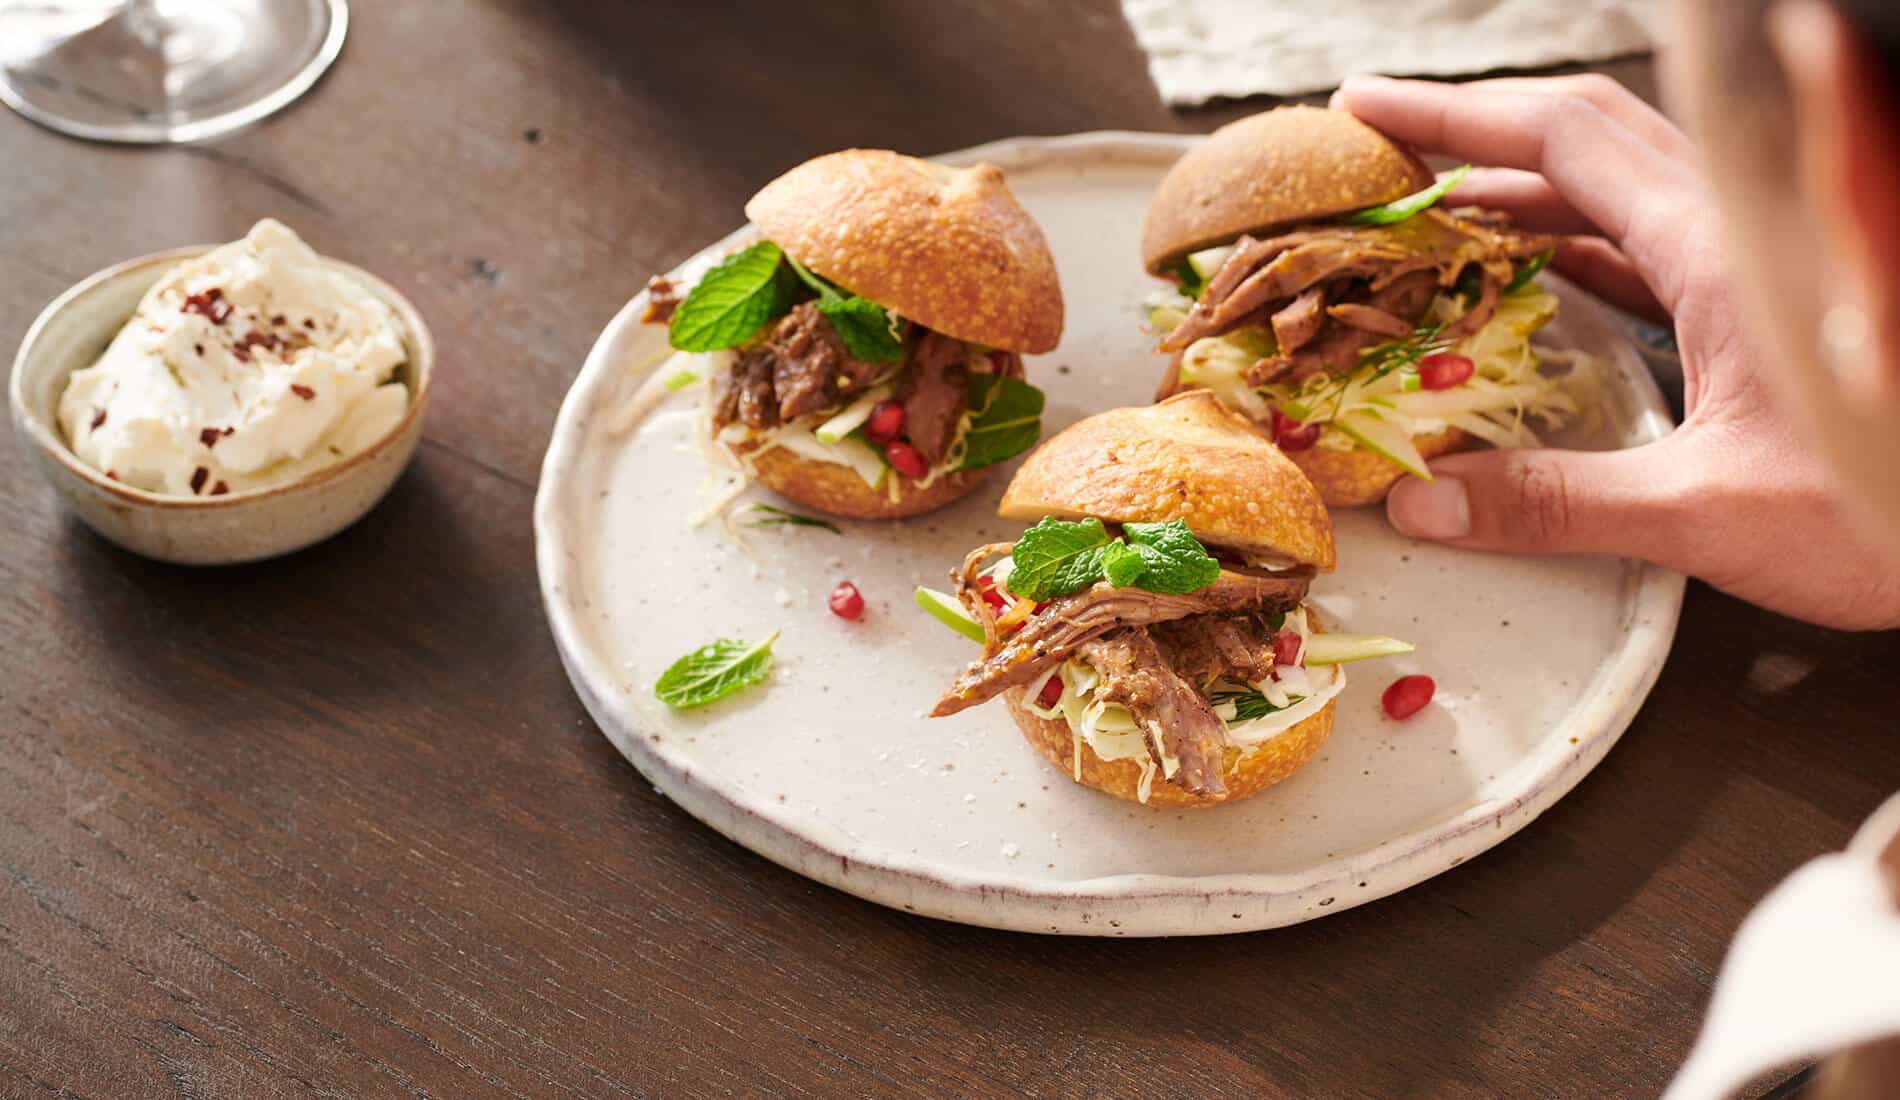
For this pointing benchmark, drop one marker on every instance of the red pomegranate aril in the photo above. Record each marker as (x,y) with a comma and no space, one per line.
(905,460)
(1051,693)
(847,602)
(886,422)
(1407,696)
(1444,370)
(1291,435)
(986,587)
(1286,647)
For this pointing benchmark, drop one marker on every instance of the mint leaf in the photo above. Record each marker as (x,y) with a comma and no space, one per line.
(1122,564)
(1248,705)
(865,328)
(1005,421)
(1176,562)
(1529,271)
(714,671)
(732,301)
(1401,209)
(1191,282)
(1055,558)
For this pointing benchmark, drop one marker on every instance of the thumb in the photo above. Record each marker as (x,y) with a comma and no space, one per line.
(1543,502)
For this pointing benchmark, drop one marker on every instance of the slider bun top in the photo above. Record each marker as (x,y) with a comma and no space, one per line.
(1270,171)
(948,248)
(1188,458)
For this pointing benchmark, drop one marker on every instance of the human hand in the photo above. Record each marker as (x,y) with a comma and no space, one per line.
(1733,496)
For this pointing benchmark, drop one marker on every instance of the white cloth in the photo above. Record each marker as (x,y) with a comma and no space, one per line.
(1814,969)
(1199,49)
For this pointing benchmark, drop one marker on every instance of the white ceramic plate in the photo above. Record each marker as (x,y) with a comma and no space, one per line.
(832,769)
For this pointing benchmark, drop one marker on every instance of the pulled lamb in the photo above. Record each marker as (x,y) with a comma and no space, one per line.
(804,367)
(1330,292)
(1156,654)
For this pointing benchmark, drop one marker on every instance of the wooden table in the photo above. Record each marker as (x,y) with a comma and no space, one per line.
(336,824)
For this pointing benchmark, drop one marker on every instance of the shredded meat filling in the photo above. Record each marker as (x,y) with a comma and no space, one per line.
(936,390)
(1176,720)
(1332,291)
(1053,632)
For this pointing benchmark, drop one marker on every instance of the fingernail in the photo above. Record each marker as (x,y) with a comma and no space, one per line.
(1438,509)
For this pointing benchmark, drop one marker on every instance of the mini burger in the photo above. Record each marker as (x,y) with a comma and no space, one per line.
(1150,633)
(864,357)
(1326,290)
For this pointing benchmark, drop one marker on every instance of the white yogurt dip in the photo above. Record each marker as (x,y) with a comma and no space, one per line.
(253,365)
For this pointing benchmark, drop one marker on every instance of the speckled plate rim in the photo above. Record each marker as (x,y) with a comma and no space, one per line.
(1119,905)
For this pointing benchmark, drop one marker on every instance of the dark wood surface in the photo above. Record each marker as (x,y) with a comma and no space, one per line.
(337,825)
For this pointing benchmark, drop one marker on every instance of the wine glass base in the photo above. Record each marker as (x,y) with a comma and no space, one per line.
(193,72)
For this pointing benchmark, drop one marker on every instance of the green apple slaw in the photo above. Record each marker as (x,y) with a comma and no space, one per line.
(1380,405)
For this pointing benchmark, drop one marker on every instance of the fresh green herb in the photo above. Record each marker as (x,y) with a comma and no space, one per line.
(1122,564)
(714,671)
(1375,363)
(1005,420)
(1403,352)
(1470,284)
(776,517)
(1248,705)
(1399,210)
(869,331)
(1529,271)
(1191,282)
(1057,557)
(1176,561)
(732,301)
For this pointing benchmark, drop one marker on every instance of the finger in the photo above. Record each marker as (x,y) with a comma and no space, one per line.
(1528,197)
(1598,267)
(1609,96)
(1544,502)
(1640,198)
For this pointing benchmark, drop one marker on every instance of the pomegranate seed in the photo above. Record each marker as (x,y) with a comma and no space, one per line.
(1286,647)
(886,422)
(1444,370)
(847,602)
(905,460)
(1407,696)
(1051,693)
(1291,435)
(986,587)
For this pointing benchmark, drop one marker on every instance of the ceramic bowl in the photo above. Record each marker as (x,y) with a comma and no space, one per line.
(245,526)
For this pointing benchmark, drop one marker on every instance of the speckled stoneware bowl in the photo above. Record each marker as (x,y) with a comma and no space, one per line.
(831,767)
(258,523)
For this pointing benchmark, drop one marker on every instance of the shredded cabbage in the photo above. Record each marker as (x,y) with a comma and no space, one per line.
(1508,387)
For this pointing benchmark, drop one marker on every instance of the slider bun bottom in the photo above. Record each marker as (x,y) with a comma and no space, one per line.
(838,490)
(1348,479)
(1247,774)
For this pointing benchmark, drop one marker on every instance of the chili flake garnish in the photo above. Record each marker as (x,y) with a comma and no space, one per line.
(220,489)
(198,477)
(98,418)
(303,391)
(209,304)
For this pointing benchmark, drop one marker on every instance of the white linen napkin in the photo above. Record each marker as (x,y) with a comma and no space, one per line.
(1199,49)
(1814,969)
